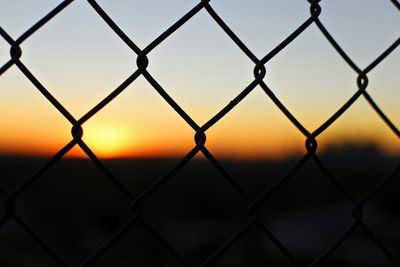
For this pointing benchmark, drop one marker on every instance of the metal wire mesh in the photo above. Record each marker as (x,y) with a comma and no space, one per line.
(254,210)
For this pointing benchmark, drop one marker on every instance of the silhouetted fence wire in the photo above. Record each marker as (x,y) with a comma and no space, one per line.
(200,131)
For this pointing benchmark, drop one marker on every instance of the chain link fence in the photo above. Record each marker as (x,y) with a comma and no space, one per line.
(254,209)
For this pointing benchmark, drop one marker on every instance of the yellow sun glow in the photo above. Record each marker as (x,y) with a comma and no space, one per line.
(107,140)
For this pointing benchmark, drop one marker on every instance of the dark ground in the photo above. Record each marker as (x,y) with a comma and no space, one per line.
(77,209)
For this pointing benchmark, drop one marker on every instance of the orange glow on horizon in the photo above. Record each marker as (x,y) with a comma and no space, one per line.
(238,138)
(109,143)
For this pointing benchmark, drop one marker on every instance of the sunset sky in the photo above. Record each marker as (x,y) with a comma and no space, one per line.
(80,60)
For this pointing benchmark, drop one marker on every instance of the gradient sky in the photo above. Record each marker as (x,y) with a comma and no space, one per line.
(80,60)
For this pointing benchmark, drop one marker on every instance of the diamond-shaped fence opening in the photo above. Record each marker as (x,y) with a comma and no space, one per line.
(91,50)
(179,62)
(301,210)
(203,203)
(90,215)
(198,209)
